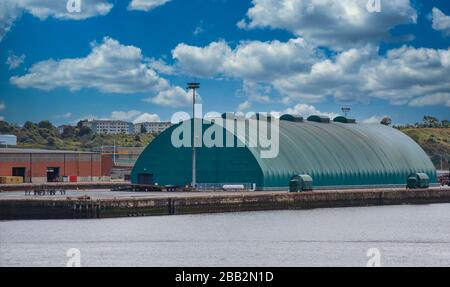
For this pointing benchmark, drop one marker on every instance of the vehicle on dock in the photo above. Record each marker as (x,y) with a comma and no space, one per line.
(444,179)
(45,190)
(150,188)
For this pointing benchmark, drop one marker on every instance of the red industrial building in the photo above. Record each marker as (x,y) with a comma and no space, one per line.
(38,166)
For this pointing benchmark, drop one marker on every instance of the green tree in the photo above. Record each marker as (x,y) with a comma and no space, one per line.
(81,123)
(45,125)
(430,121)
(51,141)
(386,121)
(6,128)
(68,132)
(84,131)
(28,125)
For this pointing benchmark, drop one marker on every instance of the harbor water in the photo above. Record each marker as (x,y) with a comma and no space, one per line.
(405,235)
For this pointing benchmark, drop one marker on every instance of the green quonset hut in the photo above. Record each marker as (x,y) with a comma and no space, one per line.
(339,153)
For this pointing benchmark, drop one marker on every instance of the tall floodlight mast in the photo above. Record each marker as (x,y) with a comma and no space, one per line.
(193,87)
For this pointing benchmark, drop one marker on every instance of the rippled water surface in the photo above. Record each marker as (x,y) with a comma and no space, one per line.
(415,235)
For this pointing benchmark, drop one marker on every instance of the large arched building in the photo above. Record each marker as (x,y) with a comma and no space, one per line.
(334,153)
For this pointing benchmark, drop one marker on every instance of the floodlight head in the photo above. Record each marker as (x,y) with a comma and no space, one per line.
(345,110)
(193,85)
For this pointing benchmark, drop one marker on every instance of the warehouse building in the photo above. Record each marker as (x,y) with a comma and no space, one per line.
(39,166)
(334,153)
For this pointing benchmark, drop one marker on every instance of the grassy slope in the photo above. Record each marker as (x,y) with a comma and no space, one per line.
(435,142)
(89,142)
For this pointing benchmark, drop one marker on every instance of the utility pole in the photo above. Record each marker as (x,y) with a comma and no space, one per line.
(193,87)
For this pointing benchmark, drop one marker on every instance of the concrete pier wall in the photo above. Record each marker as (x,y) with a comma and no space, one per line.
(67,208)
(86,185)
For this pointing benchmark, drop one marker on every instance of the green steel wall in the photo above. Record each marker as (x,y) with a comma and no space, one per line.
(173,166)
(333,154)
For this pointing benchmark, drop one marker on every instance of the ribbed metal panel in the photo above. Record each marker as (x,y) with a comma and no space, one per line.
(333,154)
(342,154)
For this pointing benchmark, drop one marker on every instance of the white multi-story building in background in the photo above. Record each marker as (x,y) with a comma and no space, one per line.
(110,126)
(151,127)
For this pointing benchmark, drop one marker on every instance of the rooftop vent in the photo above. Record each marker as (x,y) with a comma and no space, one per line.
(318,119)
(291,118)
(344,120)
(418,180)
(301,182)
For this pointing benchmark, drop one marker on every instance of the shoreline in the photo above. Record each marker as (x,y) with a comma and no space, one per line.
(177,203)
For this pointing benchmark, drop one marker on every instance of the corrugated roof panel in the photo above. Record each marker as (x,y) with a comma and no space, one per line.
(335,154)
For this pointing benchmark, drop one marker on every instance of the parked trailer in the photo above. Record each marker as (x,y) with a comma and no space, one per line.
(233,187)
(45,190)
(149,188)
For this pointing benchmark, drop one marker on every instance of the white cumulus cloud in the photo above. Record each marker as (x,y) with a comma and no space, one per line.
(338,78)
(373,120)
(110,67)
(250,59)
(174,97)
(125,115)
(134,116)
(300,72)
(337,24)
(244,106)
(257,92)
(432,100)
(440,21)
(202,61)
(146,5)
(406,74)
(305,111)
(146,117)
(14,61)
(11,10)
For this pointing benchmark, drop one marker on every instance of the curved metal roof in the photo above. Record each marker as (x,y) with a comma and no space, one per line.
(344,154)
(333,154)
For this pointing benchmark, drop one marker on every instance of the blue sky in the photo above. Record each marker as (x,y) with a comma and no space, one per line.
(131,59)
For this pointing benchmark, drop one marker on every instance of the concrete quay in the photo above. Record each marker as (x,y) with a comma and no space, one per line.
(108,204)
